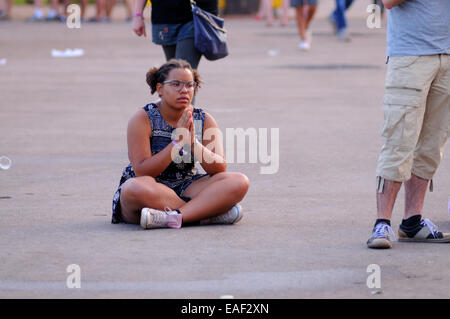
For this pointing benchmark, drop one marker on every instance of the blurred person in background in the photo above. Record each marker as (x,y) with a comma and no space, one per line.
(173,26)
(339,21)
(266,11)
(304,12)
(38,14)
(5,9)
(103,10)
(54,13)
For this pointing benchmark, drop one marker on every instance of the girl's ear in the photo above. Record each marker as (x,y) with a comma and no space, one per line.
(159,89)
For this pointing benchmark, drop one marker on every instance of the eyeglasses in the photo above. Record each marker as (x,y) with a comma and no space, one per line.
(179,85)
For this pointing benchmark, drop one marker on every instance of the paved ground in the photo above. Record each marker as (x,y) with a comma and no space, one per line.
(63,125)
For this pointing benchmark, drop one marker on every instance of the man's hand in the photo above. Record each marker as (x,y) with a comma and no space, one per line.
(389,4)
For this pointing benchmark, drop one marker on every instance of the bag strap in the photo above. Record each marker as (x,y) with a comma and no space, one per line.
(204,16)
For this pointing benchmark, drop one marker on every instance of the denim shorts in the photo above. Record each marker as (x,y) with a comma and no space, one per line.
(297,3)
(170,34)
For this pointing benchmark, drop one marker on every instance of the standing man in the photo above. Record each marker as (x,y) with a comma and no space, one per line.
(417,116)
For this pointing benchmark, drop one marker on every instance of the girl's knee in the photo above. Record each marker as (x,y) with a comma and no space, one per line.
(244,181)
(240,183)
(137,188)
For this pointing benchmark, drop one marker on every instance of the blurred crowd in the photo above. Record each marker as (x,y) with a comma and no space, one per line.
(304,13)
(58,10)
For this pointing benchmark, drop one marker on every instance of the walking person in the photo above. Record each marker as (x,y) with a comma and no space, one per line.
(304,13)
(173,26)
(161,187)
(5,9)
(339,21)
(417,117)
(38,14)
(266,11)
(103,10)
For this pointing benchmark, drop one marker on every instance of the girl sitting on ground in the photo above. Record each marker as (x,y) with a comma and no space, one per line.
(161,186)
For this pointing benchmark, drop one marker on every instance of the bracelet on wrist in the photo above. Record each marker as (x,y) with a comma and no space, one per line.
(138,15)
(179,148)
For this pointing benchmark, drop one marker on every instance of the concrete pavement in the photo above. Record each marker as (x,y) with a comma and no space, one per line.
(63,125)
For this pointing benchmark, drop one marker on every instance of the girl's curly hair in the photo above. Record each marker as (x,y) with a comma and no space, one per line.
(159,75)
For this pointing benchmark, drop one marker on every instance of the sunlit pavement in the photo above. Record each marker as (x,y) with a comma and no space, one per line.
(63,128)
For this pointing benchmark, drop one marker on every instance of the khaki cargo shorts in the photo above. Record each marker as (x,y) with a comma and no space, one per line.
(416,116)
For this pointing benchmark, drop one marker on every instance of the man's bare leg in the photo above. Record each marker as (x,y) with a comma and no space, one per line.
(386,199)
(415,190)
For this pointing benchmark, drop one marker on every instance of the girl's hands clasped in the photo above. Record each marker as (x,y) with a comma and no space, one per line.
(184,132)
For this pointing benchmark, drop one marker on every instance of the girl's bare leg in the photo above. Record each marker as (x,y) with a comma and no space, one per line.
(145,191)
(83,5)
(8,4)
(212,196)
(285,13)
(268,11)
(301,22)
(109,6)
(129,8)
(100,5)
(310,12)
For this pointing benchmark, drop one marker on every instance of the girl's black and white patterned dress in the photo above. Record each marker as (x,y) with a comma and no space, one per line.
(177,176)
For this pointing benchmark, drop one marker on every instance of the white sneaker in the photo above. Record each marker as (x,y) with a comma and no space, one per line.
(304,45)
(153,218)
(382,236)
(233,216)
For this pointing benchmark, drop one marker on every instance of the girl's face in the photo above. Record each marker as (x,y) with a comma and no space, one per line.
(178,89)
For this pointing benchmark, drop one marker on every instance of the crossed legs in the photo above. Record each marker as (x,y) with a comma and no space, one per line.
(210,196)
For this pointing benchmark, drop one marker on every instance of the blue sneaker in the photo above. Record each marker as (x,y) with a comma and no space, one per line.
(381,236)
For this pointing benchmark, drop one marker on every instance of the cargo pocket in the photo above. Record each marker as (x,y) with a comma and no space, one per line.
(402,118)
(397,62)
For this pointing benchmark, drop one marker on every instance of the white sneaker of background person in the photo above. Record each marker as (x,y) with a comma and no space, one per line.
(37,15)
(304,45)
(52,15)
(342,35)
